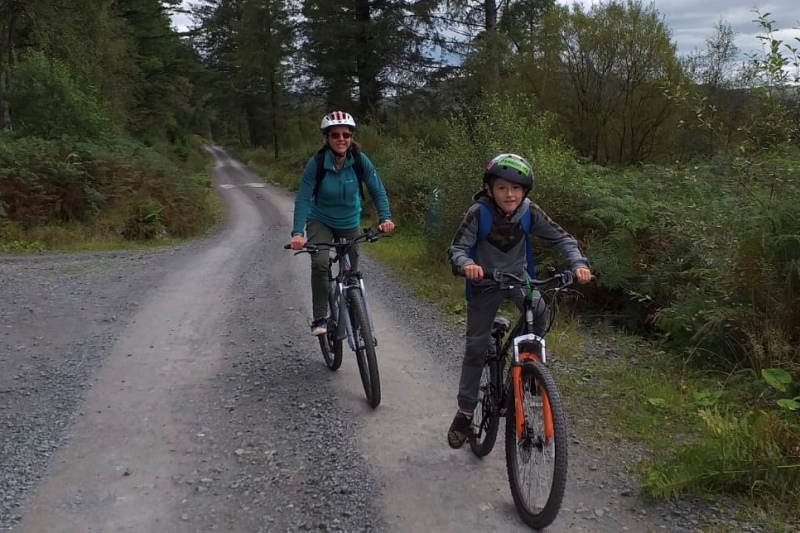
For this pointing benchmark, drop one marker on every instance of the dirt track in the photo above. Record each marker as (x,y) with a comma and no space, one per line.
(179,391)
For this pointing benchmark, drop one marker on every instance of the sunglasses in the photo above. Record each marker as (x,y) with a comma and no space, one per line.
(342,134)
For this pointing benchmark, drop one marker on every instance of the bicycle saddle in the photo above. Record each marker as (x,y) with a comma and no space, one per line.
(501,323)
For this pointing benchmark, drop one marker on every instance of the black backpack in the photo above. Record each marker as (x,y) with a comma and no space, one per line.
(358,168)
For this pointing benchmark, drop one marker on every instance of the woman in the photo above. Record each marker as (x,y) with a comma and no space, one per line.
(329,208)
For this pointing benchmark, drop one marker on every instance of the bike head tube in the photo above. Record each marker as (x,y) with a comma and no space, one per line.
(529,337)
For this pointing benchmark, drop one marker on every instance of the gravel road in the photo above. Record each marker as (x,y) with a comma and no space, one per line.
(178,391)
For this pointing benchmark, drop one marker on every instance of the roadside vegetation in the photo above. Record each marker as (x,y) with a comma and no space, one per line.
(680,177)
(85,161)
(699,260)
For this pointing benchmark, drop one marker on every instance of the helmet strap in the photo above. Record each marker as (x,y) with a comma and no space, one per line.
(337,155)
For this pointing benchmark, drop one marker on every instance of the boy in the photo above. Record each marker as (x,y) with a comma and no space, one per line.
(507,180)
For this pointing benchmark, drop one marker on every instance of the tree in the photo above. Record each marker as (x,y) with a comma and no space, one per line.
(264,43)
(493,33)
(716,63)
(246,45)
(8,13)
(158,67)
(359,52)
(717,90)
(611,65)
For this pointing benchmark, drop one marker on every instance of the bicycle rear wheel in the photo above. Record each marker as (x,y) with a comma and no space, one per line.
(331,347)
(486,417)
(365,348)
(537,459)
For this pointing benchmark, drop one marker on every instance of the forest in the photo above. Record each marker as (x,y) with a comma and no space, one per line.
(679,176)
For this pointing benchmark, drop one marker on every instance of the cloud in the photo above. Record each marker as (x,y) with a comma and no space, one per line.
(692,21)
(182,21)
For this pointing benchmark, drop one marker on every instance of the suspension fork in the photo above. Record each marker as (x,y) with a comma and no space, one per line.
(349,276)
(520,358)
(366,308)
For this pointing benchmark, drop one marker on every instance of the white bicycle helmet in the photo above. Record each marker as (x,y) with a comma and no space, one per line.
(337,118)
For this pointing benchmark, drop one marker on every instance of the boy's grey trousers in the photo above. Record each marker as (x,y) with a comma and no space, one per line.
(481,310)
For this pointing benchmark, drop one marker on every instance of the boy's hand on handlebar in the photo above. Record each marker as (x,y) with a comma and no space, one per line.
(473,272)
(386,226)
(297,242)
(583,275)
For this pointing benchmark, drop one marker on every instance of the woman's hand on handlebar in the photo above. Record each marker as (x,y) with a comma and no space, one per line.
(297,242)
(386,226)
(473,272)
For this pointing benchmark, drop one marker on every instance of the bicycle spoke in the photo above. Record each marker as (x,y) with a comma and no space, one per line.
(365,349)
(536,458)
(485,419)
(536,461)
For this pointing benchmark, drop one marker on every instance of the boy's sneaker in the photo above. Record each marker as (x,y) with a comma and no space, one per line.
(459,430)
(319,326)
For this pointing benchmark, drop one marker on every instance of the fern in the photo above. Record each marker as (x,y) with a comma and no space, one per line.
(748,453)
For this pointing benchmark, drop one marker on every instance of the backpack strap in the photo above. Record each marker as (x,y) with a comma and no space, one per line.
(484,225)
(525,222)
(319,161)
(484,228)
(358,168)
(485,219)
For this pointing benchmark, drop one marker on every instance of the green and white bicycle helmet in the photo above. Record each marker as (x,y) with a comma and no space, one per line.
(511,167)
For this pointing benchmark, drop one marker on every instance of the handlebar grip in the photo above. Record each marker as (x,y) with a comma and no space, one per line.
(287,246)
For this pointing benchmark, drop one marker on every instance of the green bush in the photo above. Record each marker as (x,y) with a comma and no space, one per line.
(48,102)
(41,181)
(64,182)
(753,451)
(453,174)
(146,222)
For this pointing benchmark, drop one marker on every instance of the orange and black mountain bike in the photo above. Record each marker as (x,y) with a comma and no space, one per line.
(517,385)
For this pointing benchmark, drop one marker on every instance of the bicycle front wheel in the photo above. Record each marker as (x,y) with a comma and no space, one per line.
(486,417)
(365,348)
(536,445)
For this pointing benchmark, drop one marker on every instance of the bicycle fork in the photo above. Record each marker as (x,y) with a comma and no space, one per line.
(520,358)
(367,309)
(344,328)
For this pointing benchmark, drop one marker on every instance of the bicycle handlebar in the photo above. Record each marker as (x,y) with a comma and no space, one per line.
(369,235)
(565,278)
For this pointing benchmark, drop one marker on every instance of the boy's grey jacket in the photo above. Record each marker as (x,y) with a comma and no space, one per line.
(504,247)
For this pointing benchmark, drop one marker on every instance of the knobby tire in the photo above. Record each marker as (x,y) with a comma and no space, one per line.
(486,418)
(365,348)
(331,348)
(541,385)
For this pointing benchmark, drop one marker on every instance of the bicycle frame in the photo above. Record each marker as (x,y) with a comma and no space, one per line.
(345,280)
(338,287)
(521,335)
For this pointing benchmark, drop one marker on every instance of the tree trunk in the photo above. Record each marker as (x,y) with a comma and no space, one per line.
(367,68)
(273,102)
(6,29)
(490,9)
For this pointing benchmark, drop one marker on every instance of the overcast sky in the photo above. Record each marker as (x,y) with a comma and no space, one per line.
(692,21)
